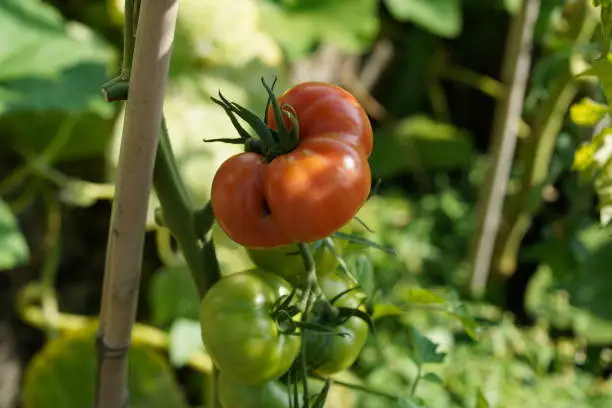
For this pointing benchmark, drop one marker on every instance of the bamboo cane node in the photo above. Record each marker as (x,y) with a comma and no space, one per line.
(107,352)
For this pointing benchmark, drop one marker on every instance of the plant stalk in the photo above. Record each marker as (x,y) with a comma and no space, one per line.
(153,46)
(515,74)
(536,154)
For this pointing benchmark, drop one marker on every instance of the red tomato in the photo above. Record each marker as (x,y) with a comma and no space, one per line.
(239,203)
(306,193)
(327,110)
(302,196)
(317,188)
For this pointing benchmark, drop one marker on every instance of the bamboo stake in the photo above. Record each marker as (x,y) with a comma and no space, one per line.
(153,46)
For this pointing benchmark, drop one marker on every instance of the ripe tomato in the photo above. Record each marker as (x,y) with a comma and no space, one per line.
(329,354)
(287,262)
(239,203)
(302,196)
(326,110)
(270,394)
(238,331)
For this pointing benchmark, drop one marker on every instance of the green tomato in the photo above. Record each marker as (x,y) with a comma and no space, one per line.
(287,262)
(329,354)
(270,394)
(239,332)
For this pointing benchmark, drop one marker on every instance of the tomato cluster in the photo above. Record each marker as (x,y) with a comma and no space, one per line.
(308,174)
(252,335)
(303,179)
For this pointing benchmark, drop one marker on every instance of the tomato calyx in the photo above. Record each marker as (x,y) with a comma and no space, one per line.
(287,317)
(340,314)
(268,142)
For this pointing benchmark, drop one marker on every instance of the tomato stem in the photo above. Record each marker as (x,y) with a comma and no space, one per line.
(331,247)
(358,387)
(271,97)
(269,142)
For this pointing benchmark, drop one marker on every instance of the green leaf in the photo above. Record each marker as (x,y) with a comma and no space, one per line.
(32,131)
(361,267)
(417,296)
(63,374)
(185,339)
(409,402)
(587,112)
(602,69)
(424,350)
(41,45)
(571,291)
(481,401)
(513,6)
(14,251)
(173,295)
(382,310)
(420,144)
(433,378)
(75,89)
(441,17)
(349,24)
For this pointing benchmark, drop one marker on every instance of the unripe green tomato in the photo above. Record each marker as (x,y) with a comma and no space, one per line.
(239,332)
(329,354)
(287,262)
(236,394)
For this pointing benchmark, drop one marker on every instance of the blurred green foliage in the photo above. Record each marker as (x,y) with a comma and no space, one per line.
(546,345)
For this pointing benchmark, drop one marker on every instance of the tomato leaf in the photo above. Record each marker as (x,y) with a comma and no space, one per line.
(172,295)
(433,378)
(303,23)
(417,295)
(424,350)
(41,45)
(63,374)
(440,17)
(410,402)
(420,143)
(363,270)
(363,241)
(14,251)
(382,310)
(185,339)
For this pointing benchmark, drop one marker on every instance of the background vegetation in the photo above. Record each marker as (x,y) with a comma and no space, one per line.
(428,74)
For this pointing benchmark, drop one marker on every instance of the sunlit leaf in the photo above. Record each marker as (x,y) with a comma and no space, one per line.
(63,374)
(300,24)
(441,17)
(588,112)
(423,349)
(383,310)
(40,44)
(417,296)
(185,340)
(513,6)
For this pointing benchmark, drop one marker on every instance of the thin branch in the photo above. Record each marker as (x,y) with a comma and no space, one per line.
(515,74)
(153,45)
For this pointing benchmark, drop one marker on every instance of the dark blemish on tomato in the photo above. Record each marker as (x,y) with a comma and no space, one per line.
(266,207)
